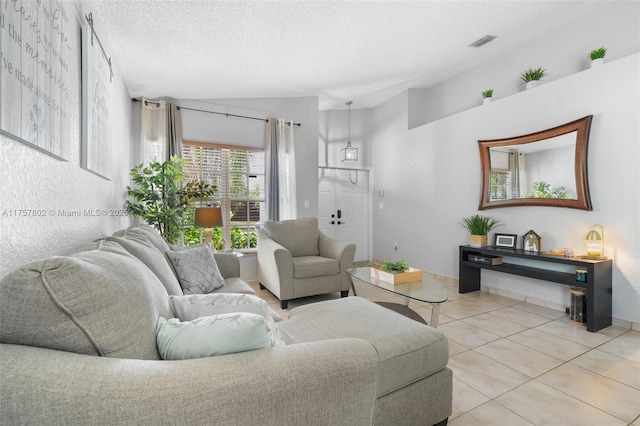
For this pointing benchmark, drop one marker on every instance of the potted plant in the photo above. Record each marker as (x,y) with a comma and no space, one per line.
(487,95)
(532,77)
(161,199)
(597,56)
(394,267)
(479,227)
(397,272)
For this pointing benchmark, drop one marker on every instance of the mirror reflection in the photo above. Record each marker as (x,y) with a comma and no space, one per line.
(543,169)
(546,168)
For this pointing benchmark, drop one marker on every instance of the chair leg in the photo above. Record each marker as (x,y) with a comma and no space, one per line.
(284,304)
(344,293)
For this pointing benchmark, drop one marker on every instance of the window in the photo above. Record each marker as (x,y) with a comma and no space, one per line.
(239,175)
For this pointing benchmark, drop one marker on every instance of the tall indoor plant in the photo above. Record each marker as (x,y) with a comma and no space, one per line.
(161,197)
(479,227)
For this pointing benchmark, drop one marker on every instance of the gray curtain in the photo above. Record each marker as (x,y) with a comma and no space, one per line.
(273,185)
(174,131)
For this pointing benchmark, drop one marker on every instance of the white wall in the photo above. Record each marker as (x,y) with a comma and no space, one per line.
(422,189)
(31,179)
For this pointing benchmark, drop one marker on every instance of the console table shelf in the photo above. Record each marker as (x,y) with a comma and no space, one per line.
(598,284)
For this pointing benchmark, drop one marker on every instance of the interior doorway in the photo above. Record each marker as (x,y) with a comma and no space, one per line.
(343,206)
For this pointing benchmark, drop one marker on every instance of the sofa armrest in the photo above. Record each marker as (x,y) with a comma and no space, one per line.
(228,263)
(324,382)
(275,266)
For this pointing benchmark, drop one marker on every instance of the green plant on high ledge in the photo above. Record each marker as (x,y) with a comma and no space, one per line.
(598,53)
(543,189)
(394,267)
(479,224)
(532,74)
(160,198)
(487,93)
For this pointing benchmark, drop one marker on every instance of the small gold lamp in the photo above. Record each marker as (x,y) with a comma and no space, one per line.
(595,244)
(208,218)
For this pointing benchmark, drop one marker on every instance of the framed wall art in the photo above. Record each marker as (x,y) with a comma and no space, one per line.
(39,51)
(97,83)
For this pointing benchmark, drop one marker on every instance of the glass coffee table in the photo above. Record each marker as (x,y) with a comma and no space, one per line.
(428,290)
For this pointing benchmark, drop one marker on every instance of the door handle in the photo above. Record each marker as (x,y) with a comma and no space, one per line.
(339,214)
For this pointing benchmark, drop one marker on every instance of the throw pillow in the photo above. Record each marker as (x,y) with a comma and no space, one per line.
(188,308)
(196,269)
(211,336)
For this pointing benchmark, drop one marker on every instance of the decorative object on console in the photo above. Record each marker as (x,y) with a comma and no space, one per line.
(487,95)
(349,154)
(505,240)
(532,77)
(578,307)
(597,56)
(208,218)
(532,241)
(479,227)
(595,244)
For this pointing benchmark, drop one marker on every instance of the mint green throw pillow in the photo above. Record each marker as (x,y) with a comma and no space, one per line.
(210,336)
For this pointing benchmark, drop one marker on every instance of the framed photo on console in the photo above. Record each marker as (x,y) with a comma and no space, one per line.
(505,240)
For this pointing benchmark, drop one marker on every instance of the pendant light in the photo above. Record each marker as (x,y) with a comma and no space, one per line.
(349,154)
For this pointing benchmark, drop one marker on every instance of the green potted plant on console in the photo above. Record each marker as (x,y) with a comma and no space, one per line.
(479,227)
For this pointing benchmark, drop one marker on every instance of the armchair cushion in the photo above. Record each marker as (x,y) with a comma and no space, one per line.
(299,236)
(196,269)
(314,266)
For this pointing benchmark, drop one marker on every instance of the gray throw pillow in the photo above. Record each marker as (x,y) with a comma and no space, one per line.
(196,269)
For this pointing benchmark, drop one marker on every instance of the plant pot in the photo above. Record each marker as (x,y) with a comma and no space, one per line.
(597,62)
(531,84)
(478,240)
(487,100)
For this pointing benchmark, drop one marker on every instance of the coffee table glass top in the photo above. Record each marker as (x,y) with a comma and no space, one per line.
(428,290)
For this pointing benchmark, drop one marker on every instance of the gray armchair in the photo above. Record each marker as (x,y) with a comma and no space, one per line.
(295,259)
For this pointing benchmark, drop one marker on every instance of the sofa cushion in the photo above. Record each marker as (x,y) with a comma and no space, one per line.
(188,308)
(235,285)
(314,266)
(137,243)
(214,335)
(100,301)
(408,349)
(196,269)
(299,236)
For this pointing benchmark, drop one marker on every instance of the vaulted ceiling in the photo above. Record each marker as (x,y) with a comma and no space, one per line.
(365,51)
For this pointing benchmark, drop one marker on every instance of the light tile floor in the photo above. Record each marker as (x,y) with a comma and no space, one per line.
(516,363)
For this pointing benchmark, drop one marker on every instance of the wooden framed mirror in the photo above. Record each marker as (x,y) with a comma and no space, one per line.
(546,168)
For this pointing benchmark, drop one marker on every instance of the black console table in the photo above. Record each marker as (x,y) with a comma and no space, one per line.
(598,283)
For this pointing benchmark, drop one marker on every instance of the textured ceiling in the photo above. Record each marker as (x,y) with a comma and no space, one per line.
(365,51)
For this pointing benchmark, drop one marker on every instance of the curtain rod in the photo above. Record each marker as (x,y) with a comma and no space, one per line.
(214,112)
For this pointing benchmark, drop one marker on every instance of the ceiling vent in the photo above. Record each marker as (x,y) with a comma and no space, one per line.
(482,41)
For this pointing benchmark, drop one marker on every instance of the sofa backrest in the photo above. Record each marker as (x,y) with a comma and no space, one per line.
(149,247)
(299,236)
(99,301)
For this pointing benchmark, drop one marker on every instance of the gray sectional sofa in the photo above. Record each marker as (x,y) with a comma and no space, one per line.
(78,347)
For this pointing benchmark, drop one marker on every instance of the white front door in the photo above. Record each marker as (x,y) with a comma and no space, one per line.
(344,207)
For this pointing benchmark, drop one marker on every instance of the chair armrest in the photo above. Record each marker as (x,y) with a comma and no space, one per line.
(338,250)
(275,266)
(328,382)
(228,263)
